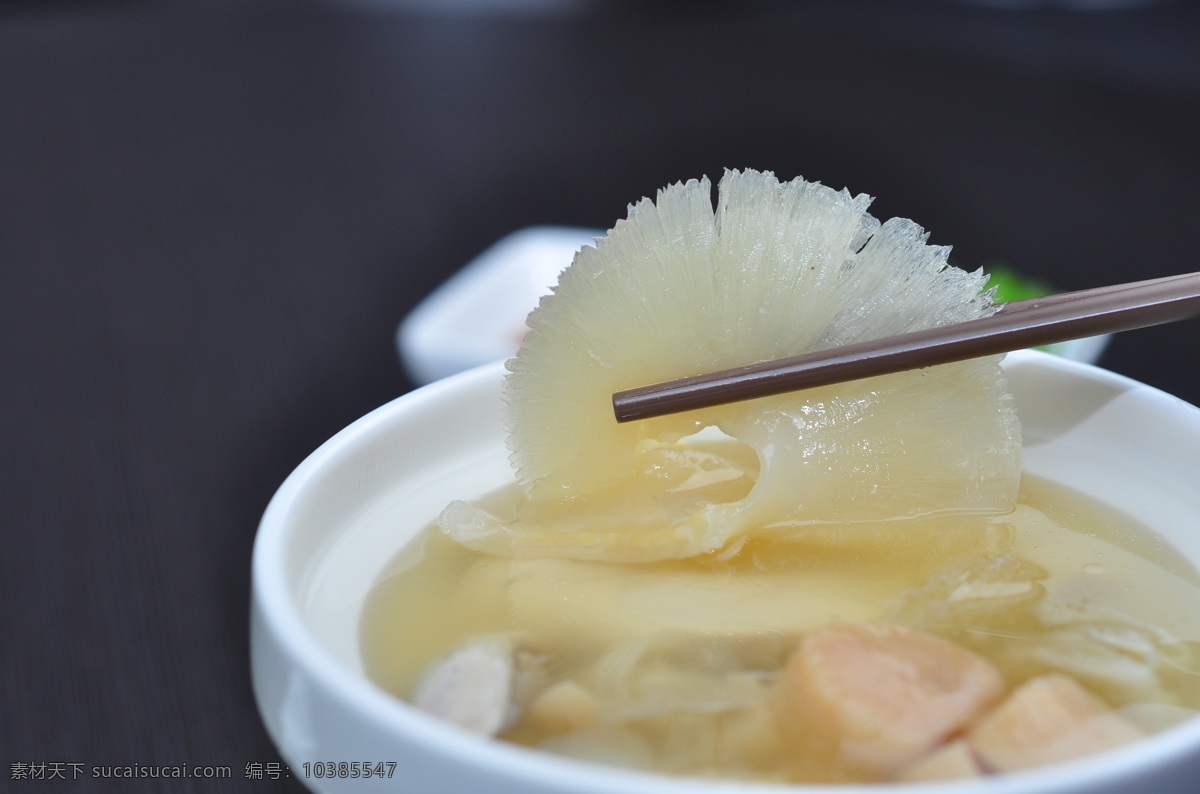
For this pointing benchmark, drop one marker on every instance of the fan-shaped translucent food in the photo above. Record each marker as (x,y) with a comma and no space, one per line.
(679,289)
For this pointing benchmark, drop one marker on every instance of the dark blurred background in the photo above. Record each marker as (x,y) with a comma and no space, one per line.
(214,214)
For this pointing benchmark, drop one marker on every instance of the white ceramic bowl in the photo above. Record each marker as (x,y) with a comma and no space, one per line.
(333,526)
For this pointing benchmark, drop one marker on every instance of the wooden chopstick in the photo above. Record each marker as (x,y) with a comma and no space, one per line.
(1016,325)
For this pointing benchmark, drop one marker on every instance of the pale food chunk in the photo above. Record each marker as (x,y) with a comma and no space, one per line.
(564,707)
(1046,720)
(949,762)
(471,687)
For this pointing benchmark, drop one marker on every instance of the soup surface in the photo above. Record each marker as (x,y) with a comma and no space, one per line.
(681,666)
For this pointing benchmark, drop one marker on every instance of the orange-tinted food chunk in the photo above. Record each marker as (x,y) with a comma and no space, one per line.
(1048,719)
(889,694)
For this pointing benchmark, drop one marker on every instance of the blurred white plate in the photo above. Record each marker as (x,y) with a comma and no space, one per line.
(478,315)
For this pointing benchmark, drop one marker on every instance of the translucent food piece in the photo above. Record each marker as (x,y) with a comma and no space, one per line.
(740,745)
(589,606)
(980,592)
(673,672)
(816,575)
(678,289)
(680,702)
(1003,606)
(657,513)
(1122,659)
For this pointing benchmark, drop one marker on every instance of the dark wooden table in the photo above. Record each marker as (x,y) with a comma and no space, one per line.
(212,217)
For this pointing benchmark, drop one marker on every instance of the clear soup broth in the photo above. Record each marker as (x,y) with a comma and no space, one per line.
(674,666)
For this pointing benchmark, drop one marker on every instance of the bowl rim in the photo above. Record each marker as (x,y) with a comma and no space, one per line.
(273,603)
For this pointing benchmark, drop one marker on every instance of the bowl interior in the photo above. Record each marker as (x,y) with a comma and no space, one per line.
(345,514)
